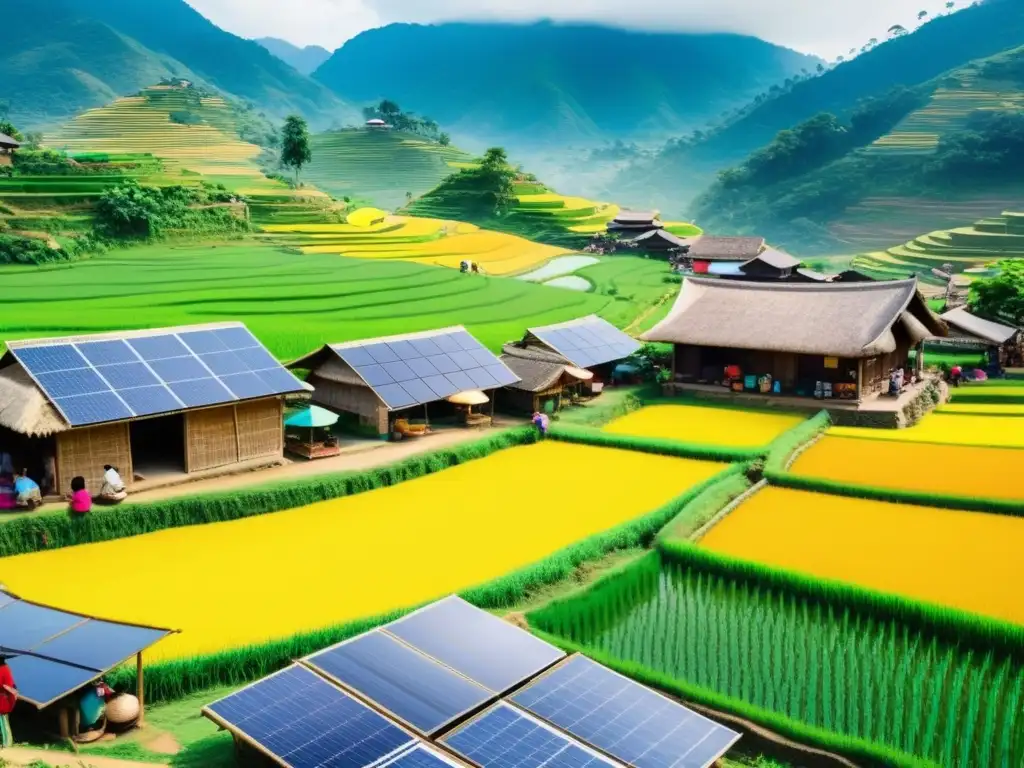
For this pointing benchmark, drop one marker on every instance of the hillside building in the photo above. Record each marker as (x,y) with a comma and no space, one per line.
(635,222)
(158,404)
(7,147)
(1004,344)
(546,379)
(768,266)
(821,339)
(659,241)
(710,248)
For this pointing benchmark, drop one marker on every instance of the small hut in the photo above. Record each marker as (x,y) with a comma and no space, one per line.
(797,337)
(377,124)
(1003,342)
(709,248)
(659,241)
(375,382)
(769,265)
(587,343)
(7,146)
(635,222)
(157,404)
(545,378)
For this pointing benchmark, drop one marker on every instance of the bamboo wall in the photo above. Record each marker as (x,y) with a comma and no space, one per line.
(210,438)
(85,451)
(260,429)
(351,398)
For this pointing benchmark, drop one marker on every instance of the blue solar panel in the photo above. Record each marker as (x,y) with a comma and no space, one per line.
(24,625)
(80,381)
(502,374)
(440,386)
(421,756)
(447,343)
(403,349)
(504,737)
(158,347)
(375,375)
(128,375)
(196,394)
(356,356)
(179,369)
(401,681)
(93,409)
(462,359)
(41,681)
(224,363)
(422,367)
(395,396)
(481,378)
(443,363)
(257,359)
(309,723)
(399,371)
(149,401)
(58,357)
(481,646)
(280,380)
(425,347)
(381,353)
(461,380)
(107,352)
(587,341)
(236,338)
(419,391)
(623,718)
(247,385)
(203,342)
(99,644)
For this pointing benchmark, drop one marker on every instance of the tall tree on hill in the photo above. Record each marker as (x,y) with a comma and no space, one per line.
(295,149)
(495,158)
(389,110)
(7,127)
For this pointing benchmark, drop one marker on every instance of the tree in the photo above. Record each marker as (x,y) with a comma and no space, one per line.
(950,6)
(1001,297)
(389,110)
(897,30)
(6,126)
(495,158)
(295,149)
(821,68)
(922,15)
(444,139)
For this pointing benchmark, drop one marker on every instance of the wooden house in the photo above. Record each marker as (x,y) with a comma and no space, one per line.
(377,381)
(635,222)
(7,147)
(545,379)
(770,265)
(659,241)
(160,403)
(849,336)
(1004,343)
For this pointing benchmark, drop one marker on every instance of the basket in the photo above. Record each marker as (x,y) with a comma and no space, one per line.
(123,709)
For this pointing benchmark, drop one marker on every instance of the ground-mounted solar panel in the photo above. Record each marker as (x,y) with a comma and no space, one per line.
(622,718)
(494,653)
(425,367)
(401,681)
(505,737)
(42,681)
(99,644)
(421,756)
(25,625)
(307,722)
(92,382)
(588,341)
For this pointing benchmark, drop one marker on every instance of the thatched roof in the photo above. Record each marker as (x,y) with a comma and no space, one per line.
(635,217)
(852,320)
(978,327)
(775,259)
(23,406)
(9,142)
(712,247)
(539,369)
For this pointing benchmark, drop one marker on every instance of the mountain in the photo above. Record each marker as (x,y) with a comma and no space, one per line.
(682,169)
(305,60)
(542,83)
(73,54)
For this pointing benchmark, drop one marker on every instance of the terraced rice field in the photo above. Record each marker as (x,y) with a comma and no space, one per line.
(982,409)
(706,425)
(943,469)
(878,680)
(293,303)
(419,240)
(965,560)
(380,165)
(417,540)
(948,429)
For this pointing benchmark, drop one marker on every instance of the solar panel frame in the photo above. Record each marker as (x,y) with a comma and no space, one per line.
(42,681)
(421,756)
(577,672)
(95,408)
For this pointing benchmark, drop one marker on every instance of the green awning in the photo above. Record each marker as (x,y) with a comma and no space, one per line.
(313,416)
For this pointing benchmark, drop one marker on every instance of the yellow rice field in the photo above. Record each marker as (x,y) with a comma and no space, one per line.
(950,429)
(983,409)
(364,217)
(948,469)
(965,560)
(704,424)
(272,576)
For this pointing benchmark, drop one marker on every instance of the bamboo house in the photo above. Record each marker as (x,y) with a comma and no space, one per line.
(158,404)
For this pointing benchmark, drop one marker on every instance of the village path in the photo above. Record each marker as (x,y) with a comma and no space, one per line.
(18,757)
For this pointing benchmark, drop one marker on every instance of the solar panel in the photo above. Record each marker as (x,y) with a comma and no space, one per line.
(623,718)
(99,644)
(308,722)
(92,382)
(401,681)
(504,737)
(421,756)
(481,646)
(425,367)
(587,341)
(24,625)
(41,681)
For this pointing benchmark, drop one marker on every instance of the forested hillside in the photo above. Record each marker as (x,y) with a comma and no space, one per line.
(62,56)
(552,83)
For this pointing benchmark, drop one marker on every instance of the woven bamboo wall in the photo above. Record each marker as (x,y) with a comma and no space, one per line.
(210,438)
(260,429)
(351,399)
(85,451)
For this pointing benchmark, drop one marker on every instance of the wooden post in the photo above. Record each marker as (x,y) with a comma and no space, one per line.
(426,416)
(672,381)
(238,435)
(860,380)
(188,446)
(65,729)
(140,690)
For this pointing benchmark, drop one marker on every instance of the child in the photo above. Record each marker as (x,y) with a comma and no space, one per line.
(81,501)
(8,698)
(27,491)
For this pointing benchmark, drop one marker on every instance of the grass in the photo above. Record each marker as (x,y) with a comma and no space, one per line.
(884,687)
(963,560)
(705,425)
(292,303)
(653,445)
(449,531)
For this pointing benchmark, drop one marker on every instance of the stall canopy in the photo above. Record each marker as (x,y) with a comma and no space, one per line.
(53,653)
(585,342)
(417,368)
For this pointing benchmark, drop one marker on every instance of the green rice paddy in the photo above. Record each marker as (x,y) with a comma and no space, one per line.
(816,663)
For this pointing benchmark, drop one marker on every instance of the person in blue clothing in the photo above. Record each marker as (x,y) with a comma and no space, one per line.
(92,705)
(26,490)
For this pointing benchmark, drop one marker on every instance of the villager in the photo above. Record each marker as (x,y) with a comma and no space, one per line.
(49,483)
(27,491)
(956,373)
(113,488)
(8,497)
(540,421)
(8,698)
(92,704)
(81,501)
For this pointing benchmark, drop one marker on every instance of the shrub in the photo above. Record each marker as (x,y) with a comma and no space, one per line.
(28,250)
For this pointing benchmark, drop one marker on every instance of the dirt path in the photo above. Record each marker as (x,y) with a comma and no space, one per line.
(19,757)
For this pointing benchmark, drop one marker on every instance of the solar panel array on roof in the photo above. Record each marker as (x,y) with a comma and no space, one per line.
(55,652)
(494,653)
(623,718)
(421,368)
(504,737)
(421,756)
(92,382)
(588,341)
(306,722)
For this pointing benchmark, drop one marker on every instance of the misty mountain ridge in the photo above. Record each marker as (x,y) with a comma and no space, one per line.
(306,60)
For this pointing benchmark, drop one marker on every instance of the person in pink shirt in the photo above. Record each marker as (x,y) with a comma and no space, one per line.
(81,501)
(8,497)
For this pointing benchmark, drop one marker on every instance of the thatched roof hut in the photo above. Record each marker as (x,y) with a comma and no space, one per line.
(659,240)
(543,373)
(8,142)
(716,248)
(640,221)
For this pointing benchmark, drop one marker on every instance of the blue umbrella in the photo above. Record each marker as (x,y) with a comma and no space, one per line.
(311,418)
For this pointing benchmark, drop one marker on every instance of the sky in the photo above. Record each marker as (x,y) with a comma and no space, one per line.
(827,28)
